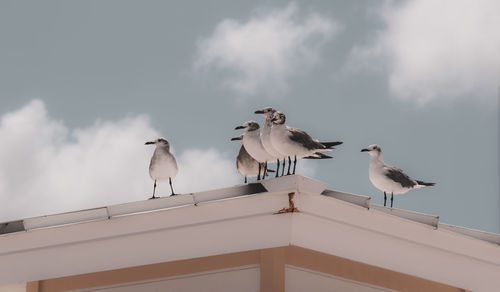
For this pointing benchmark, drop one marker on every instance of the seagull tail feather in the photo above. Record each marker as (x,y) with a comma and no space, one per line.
(423,183)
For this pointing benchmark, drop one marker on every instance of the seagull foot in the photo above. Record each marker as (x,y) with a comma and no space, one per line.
(153,197)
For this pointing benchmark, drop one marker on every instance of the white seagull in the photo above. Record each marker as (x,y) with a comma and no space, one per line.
(246,165)
(163,166)
(295,142)
(253,144)
(389,179)
(268,112)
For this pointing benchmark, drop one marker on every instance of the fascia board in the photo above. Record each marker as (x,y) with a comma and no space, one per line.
(394,253)
(245,206)
(192,241)
(396,227)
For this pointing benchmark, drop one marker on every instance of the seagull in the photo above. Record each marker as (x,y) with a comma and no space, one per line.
(253,144)
(295,142)
(245,163)
(268,112)
(163,165)
(389,179)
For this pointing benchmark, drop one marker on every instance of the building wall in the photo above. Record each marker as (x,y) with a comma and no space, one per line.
(286,268)
(242,279)
(300,280)
(21,287)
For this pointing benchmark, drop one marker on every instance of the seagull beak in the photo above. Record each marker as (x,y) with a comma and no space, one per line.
(239,128)
(236,138)
(365,150)
(149,143)
(259,112)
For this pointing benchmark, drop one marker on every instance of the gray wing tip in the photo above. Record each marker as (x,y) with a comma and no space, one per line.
(427,184)
(318,155)
(330,145)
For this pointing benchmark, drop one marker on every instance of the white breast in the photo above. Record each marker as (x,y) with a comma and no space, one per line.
(254,147)
(163,165)
(278,139)
(266,142)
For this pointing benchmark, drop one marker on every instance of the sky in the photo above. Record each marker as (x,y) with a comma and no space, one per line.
(83,84)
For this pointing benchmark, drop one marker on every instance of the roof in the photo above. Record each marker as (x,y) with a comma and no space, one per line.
(243,218)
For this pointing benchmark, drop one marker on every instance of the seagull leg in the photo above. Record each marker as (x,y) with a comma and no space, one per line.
(245,179)
(385,199)
(277,167)
(258,176)
(154,189)
(283,167)
(392,198)
(172,189)
(289,163)
(294,164)
(265,170)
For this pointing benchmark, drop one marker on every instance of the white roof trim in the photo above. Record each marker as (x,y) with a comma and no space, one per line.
(232,220)
(409,215)
(362,201)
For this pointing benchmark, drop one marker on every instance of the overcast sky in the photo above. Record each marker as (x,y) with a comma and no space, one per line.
(83,84)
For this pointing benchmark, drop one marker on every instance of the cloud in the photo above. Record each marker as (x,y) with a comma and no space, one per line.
(264,53)
(437,49)
(47,168)
(206,169)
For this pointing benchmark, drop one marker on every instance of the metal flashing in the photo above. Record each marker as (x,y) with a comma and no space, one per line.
(150,205)
(477,234)
(295,182)
(66,218)
(11,227)
(232,192)
(409,215)
(359,200)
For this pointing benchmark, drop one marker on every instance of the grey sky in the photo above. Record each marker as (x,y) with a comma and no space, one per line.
(111,60)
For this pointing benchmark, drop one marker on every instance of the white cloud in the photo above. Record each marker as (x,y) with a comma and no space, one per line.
(206,169)
(438,49)
(47,168)
(262,54)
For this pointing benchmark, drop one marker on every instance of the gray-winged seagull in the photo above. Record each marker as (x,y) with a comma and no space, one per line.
(389,179)
(295,142)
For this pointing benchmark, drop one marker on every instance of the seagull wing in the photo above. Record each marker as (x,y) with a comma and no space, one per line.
(397,175)
(304,139)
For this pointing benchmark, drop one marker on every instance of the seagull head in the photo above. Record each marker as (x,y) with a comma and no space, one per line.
(278,118)
(373,150)
(249,126)
(266,112)
(160,142)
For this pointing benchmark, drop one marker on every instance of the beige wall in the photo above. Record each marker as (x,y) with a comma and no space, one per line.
(272,273)
(13,288)
(300,280)
(241,279)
